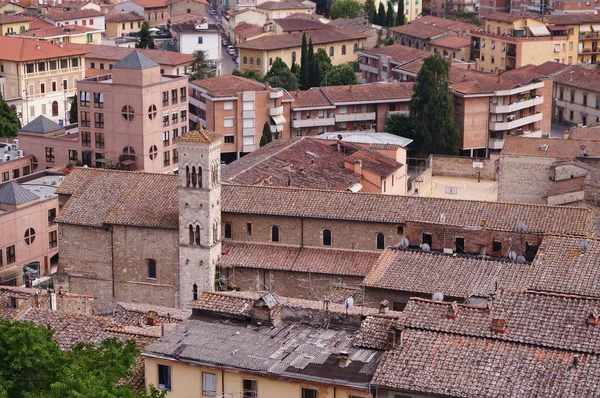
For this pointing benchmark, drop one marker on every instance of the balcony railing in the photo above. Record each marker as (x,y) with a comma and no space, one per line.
(355,117)
(276,94)
(316,122)
(390,113)
(517,105)
(495,143)
(513,124)
(276,111)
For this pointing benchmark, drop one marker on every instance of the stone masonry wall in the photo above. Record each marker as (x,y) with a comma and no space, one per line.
(457,166)
(524,179)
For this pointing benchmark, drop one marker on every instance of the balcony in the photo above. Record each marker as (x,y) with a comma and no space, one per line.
(197,103)
(316,122)
(517,105)
(592,50)
(368,68)
(390,113)
(513,124)
(276,94)
(355,117)
(495,143)
(276,111)
(590,35)
(277,128)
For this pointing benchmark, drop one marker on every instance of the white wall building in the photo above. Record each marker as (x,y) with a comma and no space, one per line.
(193,36)
(89,18)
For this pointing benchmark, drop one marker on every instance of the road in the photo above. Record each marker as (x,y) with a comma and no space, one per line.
(227,62)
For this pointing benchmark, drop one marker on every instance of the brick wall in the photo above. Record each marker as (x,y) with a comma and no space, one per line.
(289,284)
(458,166)
(523,178)
(565,198)
(567,171)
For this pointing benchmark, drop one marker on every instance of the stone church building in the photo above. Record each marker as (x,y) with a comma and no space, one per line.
(162,239)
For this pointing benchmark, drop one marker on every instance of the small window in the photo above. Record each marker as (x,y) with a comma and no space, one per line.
(497,246)
(195,291)
(153,152)
(151,269)
(344,49)
(164,377)
(152,112)
(200,39)
(460,245)
(309,393)
(326,237)
(249,388)
(209,384)
(53,239)
(10,254)
(428,239)
(229,139)
(274,233)
(228,232)
(380,238)
(29,236)
(249,228)
(127,112)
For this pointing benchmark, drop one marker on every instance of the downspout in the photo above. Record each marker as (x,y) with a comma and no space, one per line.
(112,257)
(222,383)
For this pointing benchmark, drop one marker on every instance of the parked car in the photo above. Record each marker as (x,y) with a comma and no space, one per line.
(231,50)
(237,60)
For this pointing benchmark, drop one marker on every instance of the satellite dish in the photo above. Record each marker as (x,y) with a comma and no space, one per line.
(584,244)
(404,242)
(438,296)
(521,227)
(349,303)
(425,247)
(521,259)
(512,255)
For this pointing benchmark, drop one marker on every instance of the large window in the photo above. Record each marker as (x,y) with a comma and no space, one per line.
(380,241)
(98,100)
(164,377)
(51,216)
(99,140)
(84,98)
(127,112)
(86,139)
(72,156)
(209,384)
(166,158)
(49,155)
(99,120)
(249,389)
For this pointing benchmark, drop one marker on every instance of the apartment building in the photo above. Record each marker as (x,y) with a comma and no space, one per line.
(13,24)
(66,34)
(13,163)
(130,117)
(238,108)
(511,41)
(377,64)
(341,45)
(420,32)
(340,108)
(82,17)
(442,8)
(493,6)
(28,234)
(100,59)
(40,77)
(121,23)
(198,35)
(156,12)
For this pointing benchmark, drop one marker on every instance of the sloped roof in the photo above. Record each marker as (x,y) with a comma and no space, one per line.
(200,136)
(135,60)
(41,125)
(229,85)
(123,17)
(112,53)
(14,194)
(291,40)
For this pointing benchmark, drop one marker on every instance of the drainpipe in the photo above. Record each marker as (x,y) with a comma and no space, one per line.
(112,256)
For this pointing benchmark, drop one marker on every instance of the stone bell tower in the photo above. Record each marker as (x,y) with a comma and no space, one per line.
(199,213)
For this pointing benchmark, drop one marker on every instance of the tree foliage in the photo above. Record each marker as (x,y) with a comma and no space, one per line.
(403,126)
(390,17)
(199,68)
(324,62)
(315,71)
(341,75)
(346,9)
(248,74)
(304,65)
(400,18)
(266,135)
(73,112)
(369,9)
(32,365)
(9,121)
(280,76)
(380,15)
(432,108)
(146,40)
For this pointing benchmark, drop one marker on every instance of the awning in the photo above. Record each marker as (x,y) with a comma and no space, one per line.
(539,31)
(585,28)
(103,161)
(10,274)
(128,162)
(557,27)
(278,119)
(596,27)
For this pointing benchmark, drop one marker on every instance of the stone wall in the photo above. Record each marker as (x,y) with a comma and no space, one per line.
(524,179)
(565,198)
(458,166)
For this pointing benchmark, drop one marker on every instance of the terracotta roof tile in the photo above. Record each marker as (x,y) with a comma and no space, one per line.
(291,40)
(590,133)
(151,3)
(21,49)
(310,98)
(453,42)
(297,259)
(299,24)
(285,5)
(123,17)
(223,304)
(399,209)
(61,15)
(246,30)
(421,31)
(229,85)
(375,162)
(112,53)
(455,276)
(399,53)
(58,31)
(446,23)
(200,136)
(554,148)
(570,18)
(506,17)
(7,18)
(370,92)
(579,77)
(565,186)
(373,332)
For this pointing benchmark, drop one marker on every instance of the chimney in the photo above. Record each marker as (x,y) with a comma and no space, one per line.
(297,93)
(358,166)
(394,338)
(499,325)
(593,319)
(452,311)
(384,306)
(151,318)
(344,359)
(266,310)
(582,151)
(579,122)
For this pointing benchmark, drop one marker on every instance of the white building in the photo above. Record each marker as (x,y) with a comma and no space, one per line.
(89,18)
(192,36)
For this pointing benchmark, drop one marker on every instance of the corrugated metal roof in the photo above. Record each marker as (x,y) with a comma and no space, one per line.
(14,194)
(135,60)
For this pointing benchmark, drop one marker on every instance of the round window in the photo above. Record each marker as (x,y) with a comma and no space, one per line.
(29,236)
(152,112)
(153,152)
(127,112)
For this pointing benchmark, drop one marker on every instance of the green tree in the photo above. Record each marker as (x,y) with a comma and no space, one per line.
(404,126)
(32,365)
(304,65)
(389,17)
(341,75)
(432,108)
(73,113)
(146,40)
(324,62)
(381,15)
(266,135)
(9,121)
(369,9)
(278,66)
(389,40)
(286,79)
(199,68)
(346,9)
(400,19)
(315,71)
(248,74)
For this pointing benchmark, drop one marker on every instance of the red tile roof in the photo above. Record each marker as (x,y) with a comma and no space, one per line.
(220,303)
(554,148)
(123,17)
(399,53)
(200,136)
(292,40)
(151,3)
(60,15)
(373,332)
(7,18)
(446,23)
(418,30)
(590,133)
(565,186)
(506,17)
(279,257)
(285,5)
(299,24)
(21,49)
(579,77)
(246,30)
(58,31)
(112,53)
(229,85)
(453,42)
(311,98)
(370,92)
(374,161)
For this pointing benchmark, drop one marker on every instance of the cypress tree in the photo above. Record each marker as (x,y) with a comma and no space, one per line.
(400,15)
(304,66)
(313,66)
(389,18)
(381,15)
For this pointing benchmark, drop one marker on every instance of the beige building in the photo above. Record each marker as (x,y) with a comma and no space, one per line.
(13,24)
(341,46)
(66,34)
(131,117)
(40,77)
(239,108)
(282,9)
(28,233)
(421,32)
(120,24)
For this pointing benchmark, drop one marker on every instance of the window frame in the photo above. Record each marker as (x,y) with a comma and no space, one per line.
(151,269)
(164,372)
(213,378)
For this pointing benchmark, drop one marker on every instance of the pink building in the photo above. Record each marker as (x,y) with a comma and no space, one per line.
(130,118)
(13,163)
(28,234)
